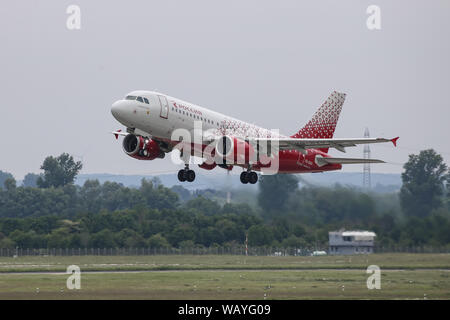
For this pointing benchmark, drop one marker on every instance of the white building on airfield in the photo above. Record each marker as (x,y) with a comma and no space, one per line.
(351,242)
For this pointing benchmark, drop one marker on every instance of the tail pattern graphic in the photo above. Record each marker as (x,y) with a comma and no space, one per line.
(323,123)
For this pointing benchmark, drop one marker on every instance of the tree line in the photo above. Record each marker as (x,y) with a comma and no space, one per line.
(50,211)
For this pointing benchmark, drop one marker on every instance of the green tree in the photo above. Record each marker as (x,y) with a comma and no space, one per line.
(181,233)
(158,241)
(59,238)
(58,171)
(208,236)
(230,230)
(203,205)
(90,193)
(295,242)
(10,184)
(30,180)
(156,195)
(128,238)
(186,244)
(4,176)
(183,193)
(102,239)
(447,185)
(274,191)
(7,243)
(27,239)
(423,183)
(260,235)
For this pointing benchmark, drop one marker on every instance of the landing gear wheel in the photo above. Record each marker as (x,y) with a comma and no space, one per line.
(252,177)
(190,175)
(244,177)
(182,175)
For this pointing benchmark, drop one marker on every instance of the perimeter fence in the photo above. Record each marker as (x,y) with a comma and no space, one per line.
(251,251)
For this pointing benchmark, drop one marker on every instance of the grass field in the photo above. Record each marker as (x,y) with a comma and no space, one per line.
(403,276)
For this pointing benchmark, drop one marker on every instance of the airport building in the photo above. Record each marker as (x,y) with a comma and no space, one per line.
(351,242)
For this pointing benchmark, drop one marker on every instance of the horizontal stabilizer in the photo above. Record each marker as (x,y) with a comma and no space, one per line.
(323,161)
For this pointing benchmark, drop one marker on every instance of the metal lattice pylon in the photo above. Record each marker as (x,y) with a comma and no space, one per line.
(366,168)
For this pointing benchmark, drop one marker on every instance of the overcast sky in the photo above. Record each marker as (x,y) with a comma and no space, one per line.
(267,62)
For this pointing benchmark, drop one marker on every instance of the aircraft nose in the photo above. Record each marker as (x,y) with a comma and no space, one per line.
(118,109)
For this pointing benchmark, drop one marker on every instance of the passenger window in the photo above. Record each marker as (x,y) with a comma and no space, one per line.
(140,99)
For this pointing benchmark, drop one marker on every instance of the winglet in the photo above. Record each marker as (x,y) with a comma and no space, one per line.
(116,134)
(394,141)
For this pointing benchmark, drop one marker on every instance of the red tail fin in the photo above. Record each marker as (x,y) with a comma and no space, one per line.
(323,122)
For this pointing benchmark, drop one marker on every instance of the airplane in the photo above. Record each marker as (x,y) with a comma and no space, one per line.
(152,119)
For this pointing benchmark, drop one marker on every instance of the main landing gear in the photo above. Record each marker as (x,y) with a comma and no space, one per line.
(186,174)
(249,177)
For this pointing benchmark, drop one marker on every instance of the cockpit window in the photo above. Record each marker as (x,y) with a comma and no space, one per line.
(141,99)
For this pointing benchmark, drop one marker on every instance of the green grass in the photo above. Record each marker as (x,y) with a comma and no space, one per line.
(403,276)
(323,284)
(223,262)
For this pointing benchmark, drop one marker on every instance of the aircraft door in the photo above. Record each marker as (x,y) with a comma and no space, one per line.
(164,107)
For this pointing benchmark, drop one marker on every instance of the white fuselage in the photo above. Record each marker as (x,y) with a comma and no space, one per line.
(163,114)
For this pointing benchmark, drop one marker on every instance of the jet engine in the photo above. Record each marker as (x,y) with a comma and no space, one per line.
(141,148)
(207,166)
(233,151)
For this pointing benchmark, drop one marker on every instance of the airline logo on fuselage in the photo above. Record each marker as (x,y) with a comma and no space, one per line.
(188,109)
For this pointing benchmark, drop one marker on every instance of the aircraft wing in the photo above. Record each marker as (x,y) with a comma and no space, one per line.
(119,133)
(303,144)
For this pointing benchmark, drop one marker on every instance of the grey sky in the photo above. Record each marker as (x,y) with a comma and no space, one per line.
(236,57)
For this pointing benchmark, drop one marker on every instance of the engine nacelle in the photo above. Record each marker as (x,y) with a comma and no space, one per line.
(141,148)
(207,166)
(233,150)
